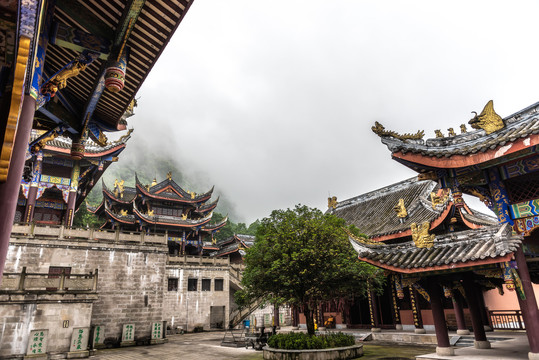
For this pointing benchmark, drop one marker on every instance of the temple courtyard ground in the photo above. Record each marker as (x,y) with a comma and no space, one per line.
(206,345)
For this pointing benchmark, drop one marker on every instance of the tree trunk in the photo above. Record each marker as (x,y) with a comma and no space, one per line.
(309,320)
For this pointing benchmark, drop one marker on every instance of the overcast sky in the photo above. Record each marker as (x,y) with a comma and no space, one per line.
(273,101)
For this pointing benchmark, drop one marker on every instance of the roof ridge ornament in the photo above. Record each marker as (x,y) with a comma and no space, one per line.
(332,202)
(362,239)
(421,236)
(381,131)
(488,120)
(400,209)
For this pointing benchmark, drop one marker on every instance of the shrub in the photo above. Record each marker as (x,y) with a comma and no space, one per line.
(302,341)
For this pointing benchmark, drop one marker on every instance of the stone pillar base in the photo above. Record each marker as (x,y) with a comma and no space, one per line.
(376,330)
(420,331)
(487,328)
(463,332)
(78,354)
(533,356)
(398,326)
(295,327)
(36,357)
(127,343)
(445,351)
(321,328)
(157,341)
(481,344)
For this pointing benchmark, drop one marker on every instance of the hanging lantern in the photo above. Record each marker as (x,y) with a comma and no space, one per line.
(115,75)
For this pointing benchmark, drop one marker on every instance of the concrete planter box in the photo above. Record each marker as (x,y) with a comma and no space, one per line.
(342,353)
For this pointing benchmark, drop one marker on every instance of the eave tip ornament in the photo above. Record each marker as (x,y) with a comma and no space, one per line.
(488,120)
(381,131)
(332,202)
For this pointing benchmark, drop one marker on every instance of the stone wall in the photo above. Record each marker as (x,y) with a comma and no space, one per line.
(18,320)
(191,308)
(131,273)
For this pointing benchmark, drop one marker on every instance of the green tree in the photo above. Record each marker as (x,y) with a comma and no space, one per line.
(83,218)
(302,257)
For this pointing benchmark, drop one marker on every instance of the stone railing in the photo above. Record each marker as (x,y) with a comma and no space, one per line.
(40,282)
(198,260)
(61,232)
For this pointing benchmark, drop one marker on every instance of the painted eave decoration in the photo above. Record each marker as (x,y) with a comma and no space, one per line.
(493,135)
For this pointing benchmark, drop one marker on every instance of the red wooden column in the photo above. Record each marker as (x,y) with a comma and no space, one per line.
(442,336)
(459,313)
(396,311)
(416,311)
(71,200)
(9,191)
(481,341)
(276,316)
(32,191)
(528,306)
(482,307)
(375,312)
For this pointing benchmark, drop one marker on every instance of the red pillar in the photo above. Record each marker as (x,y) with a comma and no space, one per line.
(481,341)
(72,198)
(375,311)
(32,191)
(459,313)
(529,308)
(9,191)
(442,336)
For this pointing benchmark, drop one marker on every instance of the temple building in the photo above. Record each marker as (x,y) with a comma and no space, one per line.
(391,217)
(72,69)
(498,163)
(162,208)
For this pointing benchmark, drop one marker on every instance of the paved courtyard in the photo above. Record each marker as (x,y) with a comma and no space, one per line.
(197,346)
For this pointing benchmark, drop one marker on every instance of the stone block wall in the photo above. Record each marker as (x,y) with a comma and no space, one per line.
(18,320)
(130,283)
(184,308)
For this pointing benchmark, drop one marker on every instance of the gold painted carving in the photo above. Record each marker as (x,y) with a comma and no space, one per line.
(14,107)
(123,212)
(41,144)
(421,236)
(169,175)
(451,132)
(488,120)
(184,216)
(438,134)
(154,182)
(119,188)
(400,209)
(380,130)
(124,137)
(332,202)
(435,200)
(151,213)
(463,129)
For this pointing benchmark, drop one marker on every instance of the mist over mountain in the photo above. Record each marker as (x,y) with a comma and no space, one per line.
(151,160)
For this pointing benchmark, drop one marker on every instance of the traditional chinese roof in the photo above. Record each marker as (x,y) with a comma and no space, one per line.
(488,245)
(153,26)
(521,131)
(129,194)
(170,220)
(236,243)
(373,213)
(62,145)
(216,226)
(170,191)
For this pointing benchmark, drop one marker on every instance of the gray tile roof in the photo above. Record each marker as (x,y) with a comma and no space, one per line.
(519,125)
(460,248)
(373,212)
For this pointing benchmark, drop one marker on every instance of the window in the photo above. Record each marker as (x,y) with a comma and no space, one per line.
(218,284)
(206,284)
(172,284)
(192,284)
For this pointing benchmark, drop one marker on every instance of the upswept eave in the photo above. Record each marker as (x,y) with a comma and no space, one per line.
(488,245)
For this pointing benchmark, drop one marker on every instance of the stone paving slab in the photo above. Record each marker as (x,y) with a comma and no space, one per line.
(197,346)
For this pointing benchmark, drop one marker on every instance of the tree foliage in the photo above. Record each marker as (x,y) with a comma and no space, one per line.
(83,218)
(232,228)
(302,257)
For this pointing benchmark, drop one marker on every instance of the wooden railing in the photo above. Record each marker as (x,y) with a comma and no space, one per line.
(507,319)
(61,232)
(41,282)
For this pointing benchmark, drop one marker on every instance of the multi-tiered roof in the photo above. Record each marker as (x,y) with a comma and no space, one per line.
(158,207)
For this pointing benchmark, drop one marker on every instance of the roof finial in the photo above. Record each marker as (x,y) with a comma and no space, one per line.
(169,175)
(154,182)
(488,120)
(332,202)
